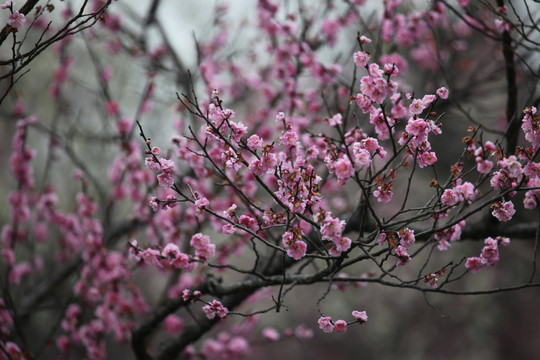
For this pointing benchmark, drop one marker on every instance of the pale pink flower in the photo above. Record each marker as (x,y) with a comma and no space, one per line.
(340,326)
(361,58)
(8,4)
(199,241)
(254,142)
(416,107)
(466,191)
(297,250)
(474,264)
(403,256)
(361,316)
(503,211)
(442,92)
(16,19)
(406,237)
(384,193)
(483,166)
(343,169)
(332,228)
(166,179)
(449,197)
(201,204)
(335,120)
(364,40)
(289,138)
(325,324)
(215,308)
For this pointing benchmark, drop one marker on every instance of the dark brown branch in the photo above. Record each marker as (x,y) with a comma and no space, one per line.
(512,131)
(25,9)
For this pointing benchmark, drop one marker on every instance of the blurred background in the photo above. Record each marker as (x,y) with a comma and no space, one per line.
(403,324)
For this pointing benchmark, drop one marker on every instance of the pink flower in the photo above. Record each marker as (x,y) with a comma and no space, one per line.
(503,211)
(442,92)
(364,40)
(335,120)
(16,19)
(403,256)
(426,158)
(254,142)
(431,280)
(384,193)
(289,138)
(381,239)
(343,169)
(474,264)
(270,334)
(466,191)
(416,107)
(215,308)
(449,197)
(406,237)
(340,326)
(362,157)
(166,179)
(332,228)
(364,103)
(325,324)
(361,58)
(199,241)
(237,131)
(8,4)
(361,316)
(483,166)
(201,204)
(342,243)
(297,250)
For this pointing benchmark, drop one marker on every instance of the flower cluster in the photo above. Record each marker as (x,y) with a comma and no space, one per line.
(215,308)
(327,325)
(489,255)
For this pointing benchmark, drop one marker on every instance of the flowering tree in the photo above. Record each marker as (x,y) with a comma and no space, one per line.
(346,144)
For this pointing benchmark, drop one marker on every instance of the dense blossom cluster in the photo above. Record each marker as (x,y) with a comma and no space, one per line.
(318,166)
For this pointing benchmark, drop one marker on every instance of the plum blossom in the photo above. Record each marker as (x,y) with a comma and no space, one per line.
(361,58)
(215,308)
(384,193)
(343,169)
(416,107)
(403,256)
(16,19)
(489,255)
(449,197)
(254,142)
(442,92)
(474,264)
(406,237)
(361,316)
(340,326)
(297,250)
(325,324)
(531,126)
(335,120)
(503,211)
